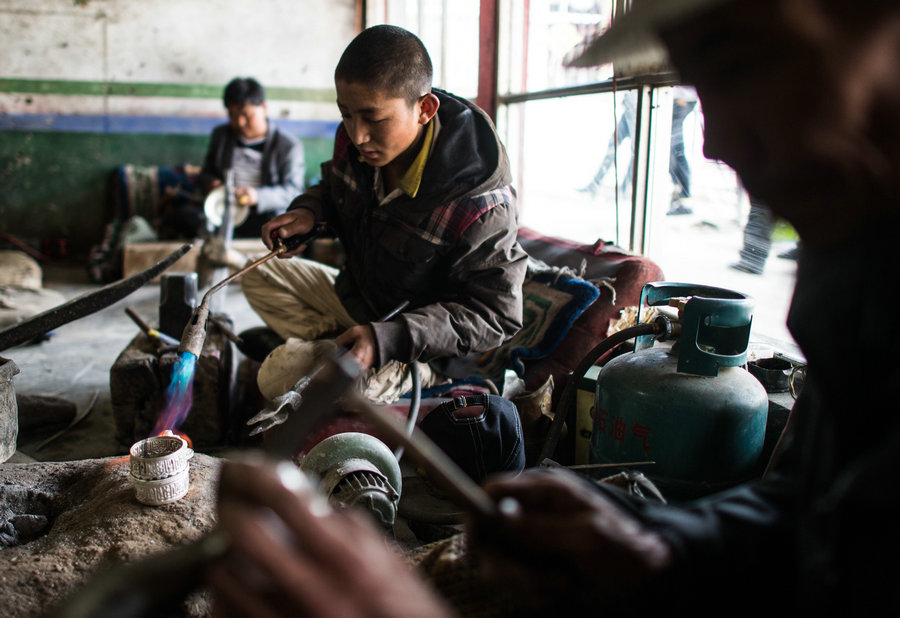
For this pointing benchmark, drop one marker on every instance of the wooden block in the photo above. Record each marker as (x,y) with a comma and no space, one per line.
(142,255)
(141,375)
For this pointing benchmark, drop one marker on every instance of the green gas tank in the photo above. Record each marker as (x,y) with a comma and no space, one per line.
(690,407)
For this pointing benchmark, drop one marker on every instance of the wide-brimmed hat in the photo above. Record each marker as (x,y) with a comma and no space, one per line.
(632,41)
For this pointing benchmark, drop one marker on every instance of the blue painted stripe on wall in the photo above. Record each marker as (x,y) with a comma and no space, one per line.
(149,124)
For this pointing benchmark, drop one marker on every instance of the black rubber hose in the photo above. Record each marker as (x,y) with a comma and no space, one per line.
(413,415)
(567,398)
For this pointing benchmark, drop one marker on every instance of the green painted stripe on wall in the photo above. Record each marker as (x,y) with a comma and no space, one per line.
(135,89)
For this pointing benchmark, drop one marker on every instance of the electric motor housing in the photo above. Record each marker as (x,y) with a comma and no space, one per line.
(357,469)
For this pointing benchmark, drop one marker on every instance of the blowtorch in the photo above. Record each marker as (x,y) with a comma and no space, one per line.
(195,332)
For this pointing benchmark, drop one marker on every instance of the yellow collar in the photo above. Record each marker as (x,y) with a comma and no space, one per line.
(412,179)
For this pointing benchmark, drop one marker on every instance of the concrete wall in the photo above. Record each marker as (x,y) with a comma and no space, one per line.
(87,85)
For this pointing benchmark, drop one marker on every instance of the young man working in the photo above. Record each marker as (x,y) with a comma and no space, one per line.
(418,192)
(268,163)
(817,536)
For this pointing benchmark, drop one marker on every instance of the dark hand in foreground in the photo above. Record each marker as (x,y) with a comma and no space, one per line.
(567,539)
(293,555)
(285,225)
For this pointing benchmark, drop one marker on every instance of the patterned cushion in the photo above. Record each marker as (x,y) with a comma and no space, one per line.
(553,298)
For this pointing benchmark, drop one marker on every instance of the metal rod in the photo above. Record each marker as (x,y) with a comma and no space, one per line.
(251,266)
(624,464)
(230,334)
(150,332)
(427,454)
(194,334)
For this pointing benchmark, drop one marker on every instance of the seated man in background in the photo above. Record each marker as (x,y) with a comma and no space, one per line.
(268,164)
(817,534)
(418,192)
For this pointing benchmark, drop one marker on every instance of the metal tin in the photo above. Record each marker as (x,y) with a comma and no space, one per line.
(160,469)
(162,491)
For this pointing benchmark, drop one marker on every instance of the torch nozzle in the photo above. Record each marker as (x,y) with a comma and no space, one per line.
(195,332)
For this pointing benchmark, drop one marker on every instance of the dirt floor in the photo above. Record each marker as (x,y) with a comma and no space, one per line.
(66,500)
(78,520)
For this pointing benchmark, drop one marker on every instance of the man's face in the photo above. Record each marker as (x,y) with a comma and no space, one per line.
(788,91)
(249,121)
(382,128)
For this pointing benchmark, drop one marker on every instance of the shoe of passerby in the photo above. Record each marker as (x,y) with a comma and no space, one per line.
(746,267)
(790,254)
(590,189)
(678,208)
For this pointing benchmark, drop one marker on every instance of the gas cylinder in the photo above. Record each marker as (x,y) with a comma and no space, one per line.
(691,408)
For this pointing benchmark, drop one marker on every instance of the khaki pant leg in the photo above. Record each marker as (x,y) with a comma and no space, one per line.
(388,384)
(296,358)
(296,298)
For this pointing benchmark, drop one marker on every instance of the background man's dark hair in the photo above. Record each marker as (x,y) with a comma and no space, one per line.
(389,59)
(244,90)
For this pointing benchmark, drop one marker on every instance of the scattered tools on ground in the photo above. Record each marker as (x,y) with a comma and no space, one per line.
(85,304)
(148,330)
(79,416)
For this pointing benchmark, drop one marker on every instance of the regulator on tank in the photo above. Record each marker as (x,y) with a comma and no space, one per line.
(690,407)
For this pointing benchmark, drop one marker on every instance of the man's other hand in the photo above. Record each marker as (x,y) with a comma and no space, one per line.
(360,343)
(567,537)
(246,196)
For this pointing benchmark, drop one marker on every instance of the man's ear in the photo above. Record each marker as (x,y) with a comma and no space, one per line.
(428,107)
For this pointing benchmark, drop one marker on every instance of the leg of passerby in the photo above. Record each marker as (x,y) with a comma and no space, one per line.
(622,132)
(757,239)
(679,168)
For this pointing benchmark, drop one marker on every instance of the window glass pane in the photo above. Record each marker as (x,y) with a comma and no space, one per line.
(449,31)
(536,36)
(555,148)
(572,166)
(699,225)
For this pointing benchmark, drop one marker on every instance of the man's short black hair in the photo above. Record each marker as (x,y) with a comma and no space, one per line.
(389,59)
(243,90)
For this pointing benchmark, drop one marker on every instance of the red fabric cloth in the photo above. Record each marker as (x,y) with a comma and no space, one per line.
(601,259)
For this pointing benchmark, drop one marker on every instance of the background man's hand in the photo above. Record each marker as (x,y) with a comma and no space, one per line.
(293,555)
(285,225)
(567,537)
(360,341)
(246,196)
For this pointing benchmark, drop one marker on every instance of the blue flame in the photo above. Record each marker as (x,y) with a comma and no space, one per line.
(179,395)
